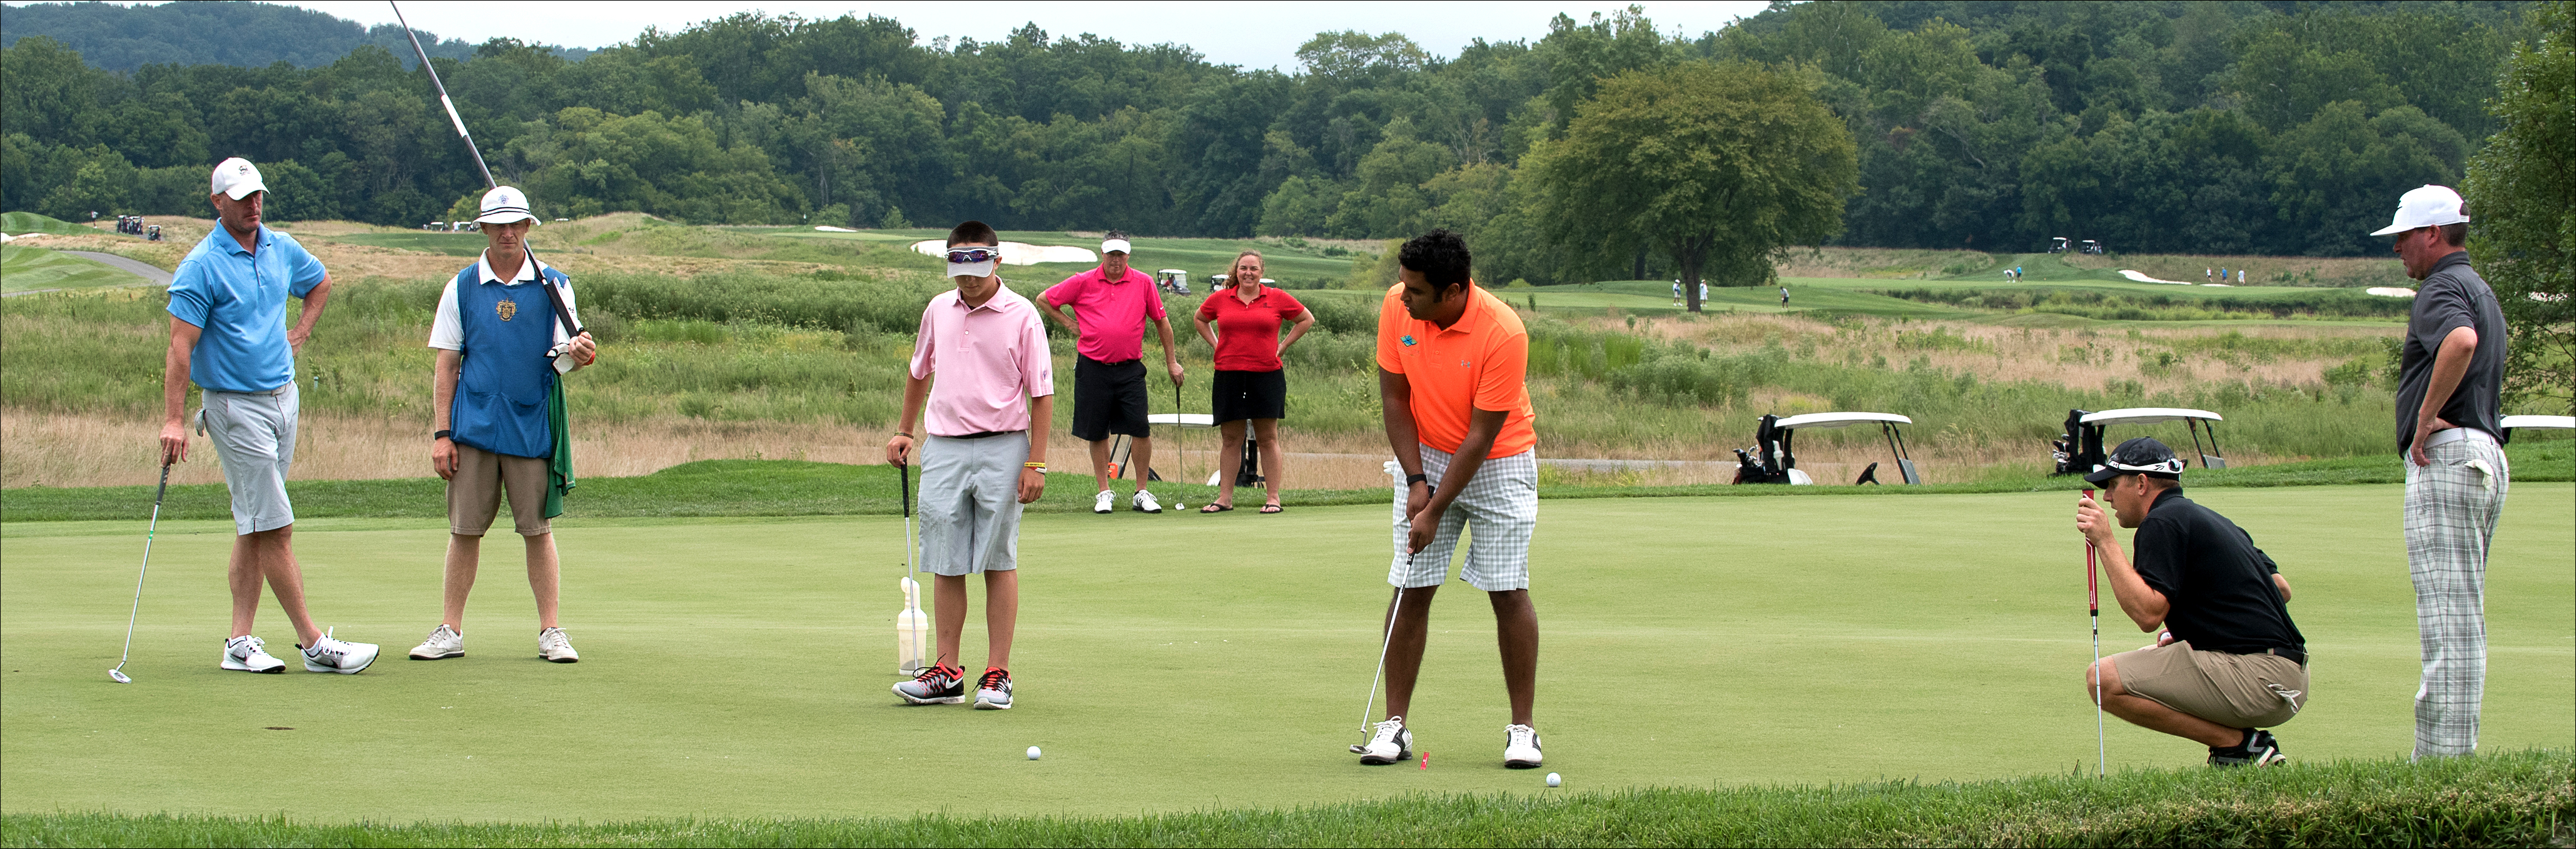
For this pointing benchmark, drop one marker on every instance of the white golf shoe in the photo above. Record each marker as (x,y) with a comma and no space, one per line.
(1391,744)
(250,654)
(1104,503)
(1520,747)
(1144,502)
(443,643)
(554,646)
(333,655)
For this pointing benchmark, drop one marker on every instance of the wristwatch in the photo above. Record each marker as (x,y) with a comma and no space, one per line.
(443,434)
(1416,477)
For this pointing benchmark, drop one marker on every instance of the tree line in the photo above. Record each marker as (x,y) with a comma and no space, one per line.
(2201,127)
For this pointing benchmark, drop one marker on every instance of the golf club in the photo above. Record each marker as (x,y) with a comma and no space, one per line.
(1361,747)
(910,624)
(2093,605)
(118,673)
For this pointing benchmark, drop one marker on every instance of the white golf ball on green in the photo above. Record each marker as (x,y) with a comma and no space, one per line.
(1552,778)
(1033,753)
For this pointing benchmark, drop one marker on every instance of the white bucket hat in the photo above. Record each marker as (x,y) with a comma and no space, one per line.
(236,178)
(2428,206)
(504,204)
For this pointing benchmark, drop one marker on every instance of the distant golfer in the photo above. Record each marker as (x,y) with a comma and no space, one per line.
(983,457)
(1677,293)
(228,334)
(2230,662)
(1241,323)
(1784,296)
(1113,303)
(501,352)
(1451,359)
(2451,376)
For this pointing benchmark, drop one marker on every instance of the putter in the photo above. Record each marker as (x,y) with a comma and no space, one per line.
(118,673)
(2093,605)
(911,572)
(1361,747)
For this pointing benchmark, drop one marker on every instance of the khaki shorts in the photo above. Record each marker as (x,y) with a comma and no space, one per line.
(474,495)
(2234,690)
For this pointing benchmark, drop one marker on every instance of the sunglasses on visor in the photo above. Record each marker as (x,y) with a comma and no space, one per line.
(965,256)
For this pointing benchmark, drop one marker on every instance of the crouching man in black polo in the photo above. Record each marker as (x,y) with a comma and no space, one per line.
(2230,662)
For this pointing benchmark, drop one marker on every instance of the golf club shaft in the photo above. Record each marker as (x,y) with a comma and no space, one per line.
(443,99)
(151,530)
(1389,640)
(2093,606)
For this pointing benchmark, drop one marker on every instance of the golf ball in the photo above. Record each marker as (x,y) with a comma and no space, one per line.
(1554,780)
(1033,753)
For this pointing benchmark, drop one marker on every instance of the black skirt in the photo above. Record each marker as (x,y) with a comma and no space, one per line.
(1241,395)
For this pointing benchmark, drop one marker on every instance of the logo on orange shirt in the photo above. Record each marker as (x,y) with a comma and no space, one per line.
(1408,340)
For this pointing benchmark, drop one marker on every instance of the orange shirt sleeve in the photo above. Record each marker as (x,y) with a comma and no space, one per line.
(1391,322)
(1500,384)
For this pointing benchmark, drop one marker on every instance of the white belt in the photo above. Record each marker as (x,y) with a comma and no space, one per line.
(2446,437)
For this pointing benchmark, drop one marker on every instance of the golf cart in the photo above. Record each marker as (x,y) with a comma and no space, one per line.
(2511,423)
(1774,457)
(2057,244)
(1173,280)
(2092,247)
(2079,450)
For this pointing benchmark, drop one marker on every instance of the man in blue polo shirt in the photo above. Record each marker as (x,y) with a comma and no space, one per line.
(500,349)
(228,334)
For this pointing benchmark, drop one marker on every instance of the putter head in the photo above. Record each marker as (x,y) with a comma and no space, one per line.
(119,676)
(1358,749)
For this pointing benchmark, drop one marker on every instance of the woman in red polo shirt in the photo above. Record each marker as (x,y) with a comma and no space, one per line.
(1241,321)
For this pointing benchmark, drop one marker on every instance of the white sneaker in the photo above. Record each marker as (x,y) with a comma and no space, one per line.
(1520,747)
(1391,744)
(1144,502)
(1105,502)
(249,654)
(443,643)
(332,655)
(994,691)
(554,646)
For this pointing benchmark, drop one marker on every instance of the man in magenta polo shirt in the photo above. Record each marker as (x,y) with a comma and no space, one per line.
(1113,303)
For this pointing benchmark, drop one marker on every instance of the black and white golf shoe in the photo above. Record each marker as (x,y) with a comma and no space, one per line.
(1391,744)
(2259,749)
(1520,747)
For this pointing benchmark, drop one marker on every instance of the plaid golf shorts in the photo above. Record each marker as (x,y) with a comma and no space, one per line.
(1499,508)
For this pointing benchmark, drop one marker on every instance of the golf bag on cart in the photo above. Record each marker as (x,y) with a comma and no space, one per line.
(2078,451)
(1769,460)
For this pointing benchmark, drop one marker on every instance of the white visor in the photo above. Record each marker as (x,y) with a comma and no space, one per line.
(974,269)
(1115,246)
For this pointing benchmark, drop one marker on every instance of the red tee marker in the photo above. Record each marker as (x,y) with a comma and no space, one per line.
(1426,760)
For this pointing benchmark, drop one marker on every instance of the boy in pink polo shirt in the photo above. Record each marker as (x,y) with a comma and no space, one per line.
(983,458)
(1113,302)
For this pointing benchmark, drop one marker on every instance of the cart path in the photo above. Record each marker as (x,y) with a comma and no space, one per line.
(150,273)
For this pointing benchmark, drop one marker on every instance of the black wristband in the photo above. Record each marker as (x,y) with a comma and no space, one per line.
(1416,477)
(443,434)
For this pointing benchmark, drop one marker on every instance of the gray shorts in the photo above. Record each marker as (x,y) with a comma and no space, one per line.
(254,437)
(970,503)
(1499,511)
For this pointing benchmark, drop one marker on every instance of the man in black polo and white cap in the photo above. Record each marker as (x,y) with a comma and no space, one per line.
(2229,662)
(2449,406)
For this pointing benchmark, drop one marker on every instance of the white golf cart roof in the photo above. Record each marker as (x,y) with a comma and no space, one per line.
(1825,420)
(2148,415)
(2561,422)
(1173,271)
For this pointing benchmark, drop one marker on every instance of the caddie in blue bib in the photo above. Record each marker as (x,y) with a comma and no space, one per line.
(502,387)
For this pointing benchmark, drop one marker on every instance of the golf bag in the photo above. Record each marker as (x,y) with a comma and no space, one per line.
(1769,460)
(2078,451)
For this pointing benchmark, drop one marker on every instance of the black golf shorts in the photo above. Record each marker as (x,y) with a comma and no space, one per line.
(1238,395)
(1108,398)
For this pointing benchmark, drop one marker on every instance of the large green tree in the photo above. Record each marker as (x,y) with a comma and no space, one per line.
(2522,193)
(1722,166)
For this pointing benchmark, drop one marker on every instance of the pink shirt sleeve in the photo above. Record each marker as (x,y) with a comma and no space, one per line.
(924,355)
(1063,293)
(1037,365)
(1153,297)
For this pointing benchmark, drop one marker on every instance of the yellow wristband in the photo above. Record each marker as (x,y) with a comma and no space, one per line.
(1038,466)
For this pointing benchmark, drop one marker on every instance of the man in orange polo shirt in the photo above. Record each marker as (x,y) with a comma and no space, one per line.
(1450,360)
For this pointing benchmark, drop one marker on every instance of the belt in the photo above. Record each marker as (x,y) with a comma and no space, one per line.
(290,385)
(2446,437)
(2295,655)
(981,434)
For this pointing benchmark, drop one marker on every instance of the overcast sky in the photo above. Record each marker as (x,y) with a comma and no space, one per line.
(1253,35)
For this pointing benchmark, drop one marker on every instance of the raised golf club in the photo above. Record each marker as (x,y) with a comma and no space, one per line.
(118,672)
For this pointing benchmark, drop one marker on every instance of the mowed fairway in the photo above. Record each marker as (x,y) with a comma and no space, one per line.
(739,667)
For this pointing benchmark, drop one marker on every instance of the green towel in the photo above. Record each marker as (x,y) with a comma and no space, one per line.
(559,468)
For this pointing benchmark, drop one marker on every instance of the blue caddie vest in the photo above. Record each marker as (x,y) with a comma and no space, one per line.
(501,390)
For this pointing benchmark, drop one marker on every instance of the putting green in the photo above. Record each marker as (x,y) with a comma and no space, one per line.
(740,667)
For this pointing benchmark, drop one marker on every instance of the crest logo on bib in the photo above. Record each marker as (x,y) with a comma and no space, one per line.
(506,309)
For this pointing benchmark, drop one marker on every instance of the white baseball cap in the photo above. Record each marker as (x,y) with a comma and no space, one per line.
(2428,206)
(1114,246)
(236,178)
(505,204)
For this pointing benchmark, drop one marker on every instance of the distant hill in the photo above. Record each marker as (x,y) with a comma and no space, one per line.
(123,38)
